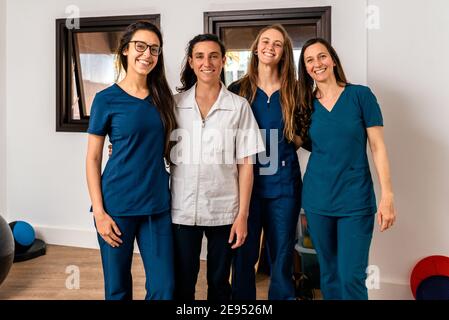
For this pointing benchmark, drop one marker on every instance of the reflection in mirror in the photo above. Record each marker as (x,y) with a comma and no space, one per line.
(238,41)
(75,98)
(94,68)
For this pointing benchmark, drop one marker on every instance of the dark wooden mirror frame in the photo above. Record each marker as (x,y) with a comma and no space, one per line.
(321,16)
(214,21)
(64,52)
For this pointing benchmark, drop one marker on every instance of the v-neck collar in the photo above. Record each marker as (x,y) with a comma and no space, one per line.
(146,99)
(336,102)
(264,93)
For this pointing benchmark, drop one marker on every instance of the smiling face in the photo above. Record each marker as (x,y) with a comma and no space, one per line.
(141,62)
(207,61)
(319,63)
(270,47)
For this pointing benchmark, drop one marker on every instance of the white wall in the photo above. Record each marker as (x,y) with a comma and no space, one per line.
(408,70)
(405,62)
(3,212)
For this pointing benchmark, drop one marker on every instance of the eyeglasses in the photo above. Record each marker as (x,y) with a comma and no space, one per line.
(141,46)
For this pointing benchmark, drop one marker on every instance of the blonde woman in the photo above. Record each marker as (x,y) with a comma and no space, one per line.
(272,90)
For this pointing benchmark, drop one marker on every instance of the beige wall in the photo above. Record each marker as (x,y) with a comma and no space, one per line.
(3,206)
(408,70)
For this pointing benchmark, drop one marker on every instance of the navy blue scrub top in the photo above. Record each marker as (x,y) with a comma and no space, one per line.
(338,181)
(286,179)
(134,181)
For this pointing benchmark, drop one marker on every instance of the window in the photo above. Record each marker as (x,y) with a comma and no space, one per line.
(238,29)
(85,64)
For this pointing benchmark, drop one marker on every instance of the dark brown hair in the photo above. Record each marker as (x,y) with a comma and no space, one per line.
(307,88)
(188,77)
(156,81)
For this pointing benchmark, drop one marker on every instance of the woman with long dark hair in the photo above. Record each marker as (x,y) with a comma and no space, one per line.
(212,174)
(131,199)
(338,195)
(271,87)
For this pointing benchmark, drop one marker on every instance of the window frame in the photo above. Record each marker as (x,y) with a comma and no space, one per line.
(66,49)
(320,16)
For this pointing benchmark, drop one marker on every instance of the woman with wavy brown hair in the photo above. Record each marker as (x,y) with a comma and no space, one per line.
(271,87)
(338,194)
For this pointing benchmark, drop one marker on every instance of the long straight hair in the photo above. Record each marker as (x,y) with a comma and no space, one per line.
(156,81)
(289,94)
(307,88)
(188,77)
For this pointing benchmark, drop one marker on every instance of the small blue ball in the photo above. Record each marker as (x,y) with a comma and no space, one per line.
(24,235)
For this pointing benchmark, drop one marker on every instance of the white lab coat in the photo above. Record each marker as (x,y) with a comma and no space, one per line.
(204,179)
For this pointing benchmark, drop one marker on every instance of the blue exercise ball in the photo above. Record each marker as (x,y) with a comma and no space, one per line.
(23,234)
(6,249)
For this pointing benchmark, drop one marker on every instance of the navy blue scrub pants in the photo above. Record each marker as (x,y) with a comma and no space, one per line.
(278,217)
(155,240)
(188,240)
(342,245)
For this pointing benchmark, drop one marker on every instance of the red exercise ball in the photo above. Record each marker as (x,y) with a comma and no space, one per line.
(428,267)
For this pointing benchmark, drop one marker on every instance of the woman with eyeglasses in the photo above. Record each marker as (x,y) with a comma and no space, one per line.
(131,199)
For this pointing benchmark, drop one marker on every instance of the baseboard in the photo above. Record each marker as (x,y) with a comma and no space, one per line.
(4,215)
(391,291)
(82,238)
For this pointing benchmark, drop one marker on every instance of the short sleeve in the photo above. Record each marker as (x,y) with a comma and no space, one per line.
(371,113)
(248,138)
(99,116)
